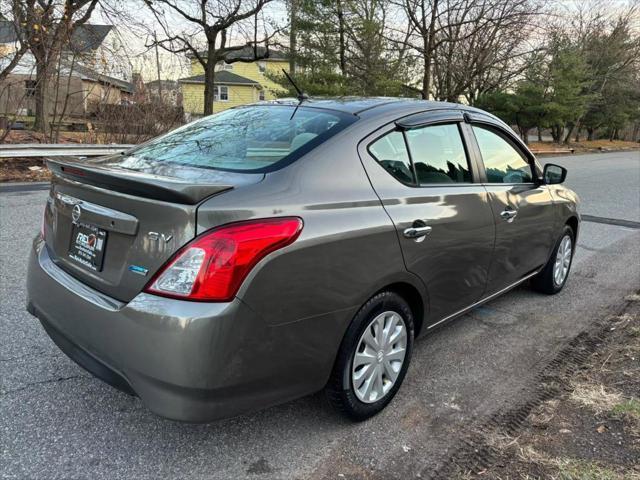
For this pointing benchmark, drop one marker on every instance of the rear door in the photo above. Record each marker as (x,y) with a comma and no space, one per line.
(424,177)
(523,209)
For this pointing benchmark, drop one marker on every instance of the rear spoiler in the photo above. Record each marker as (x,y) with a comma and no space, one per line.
(140,184)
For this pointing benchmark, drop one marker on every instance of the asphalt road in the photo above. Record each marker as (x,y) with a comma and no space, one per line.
(56,421)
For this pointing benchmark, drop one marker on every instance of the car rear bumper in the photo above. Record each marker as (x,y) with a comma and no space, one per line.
(188,361)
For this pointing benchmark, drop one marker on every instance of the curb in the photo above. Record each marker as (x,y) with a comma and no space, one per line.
(10,187)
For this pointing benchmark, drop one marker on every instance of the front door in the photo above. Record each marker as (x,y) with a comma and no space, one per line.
(444,222)
(522,208)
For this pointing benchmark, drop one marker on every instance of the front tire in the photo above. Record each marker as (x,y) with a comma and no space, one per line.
(554,275)
(373,357)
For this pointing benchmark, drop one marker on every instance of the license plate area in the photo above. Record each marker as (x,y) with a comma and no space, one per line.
(88,244)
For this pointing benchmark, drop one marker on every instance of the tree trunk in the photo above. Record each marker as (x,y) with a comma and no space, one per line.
(525,136)
(426,79)
(539,134)
(577,139)
(567,137)
(293,36)
(590,132)
(209,83)
(342,47)
(43,74)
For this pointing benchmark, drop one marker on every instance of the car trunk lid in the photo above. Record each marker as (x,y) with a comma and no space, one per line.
(113,228)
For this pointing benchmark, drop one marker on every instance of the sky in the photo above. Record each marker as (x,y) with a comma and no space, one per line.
(133,35)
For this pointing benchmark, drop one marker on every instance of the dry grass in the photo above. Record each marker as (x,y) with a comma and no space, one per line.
(566,468)
(595,397)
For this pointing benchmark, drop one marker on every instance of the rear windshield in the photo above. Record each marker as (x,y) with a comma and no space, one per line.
(250,139)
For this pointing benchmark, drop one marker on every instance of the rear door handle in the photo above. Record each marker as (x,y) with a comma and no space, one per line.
(509,214)
(417,232)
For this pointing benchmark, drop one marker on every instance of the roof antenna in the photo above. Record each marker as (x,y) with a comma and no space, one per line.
(301,95)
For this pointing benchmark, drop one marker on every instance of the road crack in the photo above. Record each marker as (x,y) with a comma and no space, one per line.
(42,382)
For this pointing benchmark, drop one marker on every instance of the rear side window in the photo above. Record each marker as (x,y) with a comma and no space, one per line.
(250,139)
(391,153)
(435,154)
(502,162)
(438,155)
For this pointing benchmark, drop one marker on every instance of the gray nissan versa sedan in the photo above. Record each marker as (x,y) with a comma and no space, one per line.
(273,250)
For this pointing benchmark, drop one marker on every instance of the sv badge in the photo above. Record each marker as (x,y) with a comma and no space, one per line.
(159,237)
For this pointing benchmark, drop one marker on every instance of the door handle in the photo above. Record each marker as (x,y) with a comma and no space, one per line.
(417,232)
(509,214)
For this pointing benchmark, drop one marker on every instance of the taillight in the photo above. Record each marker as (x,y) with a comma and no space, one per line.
(213,266)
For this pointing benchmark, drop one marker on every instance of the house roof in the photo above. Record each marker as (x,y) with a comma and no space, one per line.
(84,37)
(89,74)
(223,77)
(247,53)
(27,66)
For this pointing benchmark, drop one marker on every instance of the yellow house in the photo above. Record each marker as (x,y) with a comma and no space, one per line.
(236,83)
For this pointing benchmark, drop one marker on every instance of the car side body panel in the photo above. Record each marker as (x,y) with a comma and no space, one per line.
(346,251)
(453,259)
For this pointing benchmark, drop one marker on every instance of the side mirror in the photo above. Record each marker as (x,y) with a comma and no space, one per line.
(553,174)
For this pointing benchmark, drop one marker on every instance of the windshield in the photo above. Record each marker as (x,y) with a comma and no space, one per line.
(244,139)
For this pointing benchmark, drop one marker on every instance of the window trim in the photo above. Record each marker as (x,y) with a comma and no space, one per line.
(30,88)
(442,119)
(216,93)
(404,139)
(507,137)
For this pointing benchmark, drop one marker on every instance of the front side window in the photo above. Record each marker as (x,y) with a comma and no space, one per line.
(502,162)
(438,155)
(391,153)
(241,139)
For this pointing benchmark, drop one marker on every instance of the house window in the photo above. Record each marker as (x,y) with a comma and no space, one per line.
(221,93)
(224,66)
(262,67)
(30,88)
(261,95)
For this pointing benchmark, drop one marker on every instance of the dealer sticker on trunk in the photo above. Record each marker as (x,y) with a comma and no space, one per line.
(87,246)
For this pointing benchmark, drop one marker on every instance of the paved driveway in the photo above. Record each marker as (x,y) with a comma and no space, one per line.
(58,422)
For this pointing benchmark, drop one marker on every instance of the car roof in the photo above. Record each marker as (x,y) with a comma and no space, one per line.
(359,105)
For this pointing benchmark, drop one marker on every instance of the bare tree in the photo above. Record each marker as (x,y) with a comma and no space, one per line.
(10,58)
(47,26)
(441,27)
(213,20)
(486,53)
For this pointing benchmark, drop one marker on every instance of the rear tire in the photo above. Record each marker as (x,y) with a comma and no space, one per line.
(553,276)
(373,357)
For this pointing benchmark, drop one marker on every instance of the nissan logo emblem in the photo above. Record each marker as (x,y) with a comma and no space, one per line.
(75,213)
